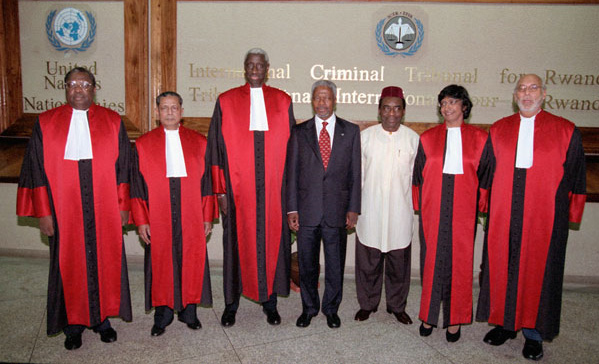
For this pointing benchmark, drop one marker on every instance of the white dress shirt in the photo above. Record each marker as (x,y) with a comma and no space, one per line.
(330,126)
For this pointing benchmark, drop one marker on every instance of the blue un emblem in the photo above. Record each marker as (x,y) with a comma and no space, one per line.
(70,30)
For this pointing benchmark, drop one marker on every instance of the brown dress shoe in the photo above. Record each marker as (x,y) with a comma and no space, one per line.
(363,315)
(402,317)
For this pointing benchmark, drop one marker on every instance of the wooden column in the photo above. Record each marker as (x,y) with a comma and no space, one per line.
(163,49)
(136,67)
(11,91)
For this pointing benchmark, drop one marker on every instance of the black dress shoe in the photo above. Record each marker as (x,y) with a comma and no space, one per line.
(533,349)
(228,318)
(498,336)
(108,335)
(333,321)
(157,331)
(402,317)
(196,325)
(72,342)
(272,316)
(425,331)
(363,315)
(451,338)
(303,320)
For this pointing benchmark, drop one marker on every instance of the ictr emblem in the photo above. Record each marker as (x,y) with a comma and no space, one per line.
(399,34)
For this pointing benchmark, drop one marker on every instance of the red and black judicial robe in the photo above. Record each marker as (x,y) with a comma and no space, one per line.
(448,206)
(88,273)
(529,211)
(176,261)
(248,166)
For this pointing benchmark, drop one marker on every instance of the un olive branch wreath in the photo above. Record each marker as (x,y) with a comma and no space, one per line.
(56,43)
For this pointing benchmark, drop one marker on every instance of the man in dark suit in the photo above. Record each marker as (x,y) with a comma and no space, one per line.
(323,199)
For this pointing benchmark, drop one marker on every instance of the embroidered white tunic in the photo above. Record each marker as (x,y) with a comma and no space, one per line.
(386,221)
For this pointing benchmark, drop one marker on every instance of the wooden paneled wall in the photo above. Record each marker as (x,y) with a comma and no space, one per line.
(154,43)
(11,90)
(136,66)
(15,123)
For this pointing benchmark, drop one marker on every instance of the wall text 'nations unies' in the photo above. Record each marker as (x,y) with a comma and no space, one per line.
(54,80)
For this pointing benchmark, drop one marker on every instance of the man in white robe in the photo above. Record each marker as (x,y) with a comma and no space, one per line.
(384,230)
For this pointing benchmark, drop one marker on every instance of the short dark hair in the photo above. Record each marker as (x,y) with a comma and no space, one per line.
(82,70)
(166,94)
(457,92)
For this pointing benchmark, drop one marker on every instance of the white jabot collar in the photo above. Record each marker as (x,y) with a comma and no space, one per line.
(258,120)
(453,154)
(526,138)
(79,143)
(175,161)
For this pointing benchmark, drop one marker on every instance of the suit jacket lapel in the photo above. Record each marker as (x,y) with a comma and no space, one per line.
(310,135)
(338,140)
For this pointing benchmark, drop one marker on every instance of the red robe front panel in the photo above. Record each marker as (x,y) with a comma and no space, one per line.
(249,167)
(528,224)
(75,192)
(152,205)
(448,207)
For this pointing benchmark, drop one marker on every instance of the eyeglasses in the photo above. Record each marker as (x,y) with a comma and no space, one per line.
(530,88)
(449,102)
(82,84)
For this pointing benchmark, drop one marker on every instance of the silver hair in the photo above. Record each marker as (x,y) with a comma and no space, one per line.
(325,83)
(256,51)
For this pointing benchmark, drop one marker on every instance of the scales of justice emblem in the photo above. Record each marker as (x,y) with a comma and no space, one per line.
(399,35)
(400,32)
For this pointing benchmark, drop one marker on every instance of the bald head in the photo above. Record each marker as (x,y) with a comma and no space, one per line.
(530,78)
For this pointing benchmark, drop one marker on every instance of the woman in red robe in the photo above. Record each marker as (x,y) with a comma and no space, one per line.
(448,191)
